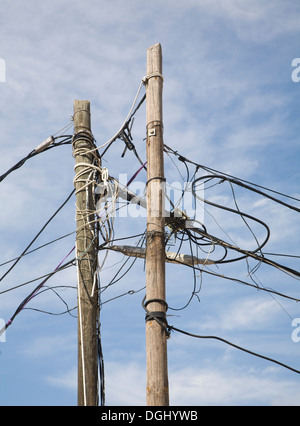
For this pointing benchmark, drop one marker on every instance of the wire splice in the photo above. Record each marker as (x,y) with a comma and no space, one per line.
(49,141)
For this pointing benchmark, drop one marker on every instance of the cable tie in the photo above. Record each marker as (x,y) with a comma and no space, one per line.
(155,123)
(154,74)
(163,302)
(79,110)
(156,177)
(44,145)
(154,315)
(160,318)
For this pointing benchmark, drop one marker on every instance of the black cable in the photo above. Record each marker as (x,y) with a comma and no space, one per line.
(251,254)
(38,248)
(281,254)
(32,294)
(243,185)
(17,165)
(68,311)
(129,292)
(195,239)
(206,271)
(211,239)
(170,328)
(33,153)
(102,246)
(38,234)
(67,265)
(209,169)
(243,215)
(114,280)
(268,290)
(125,126)
(44,289)
(194,292)
(100,367)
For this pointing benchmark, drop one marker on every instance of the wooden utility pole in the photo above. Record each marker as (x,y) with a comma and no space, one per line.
(86,256)
(156,339)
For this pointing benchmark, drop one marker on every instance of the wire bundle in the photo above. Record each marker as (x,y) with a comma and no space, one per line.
(103,190)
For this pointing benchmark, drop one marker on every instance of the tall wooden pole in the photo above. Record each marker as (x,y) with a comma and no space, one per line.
(86,258)
(156,342)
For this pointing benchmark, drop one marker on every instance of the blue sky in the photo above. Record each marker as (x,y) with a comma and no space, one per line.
(230,104)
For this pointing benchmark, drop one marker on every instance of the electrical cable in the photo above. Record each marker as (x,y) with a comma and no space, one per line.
(268,290)
(251,254)
(38,248)
(114,280)
(200,237)
(126,122)
(235,211)
(44,146)
(53,289)
(67,265)
(38,234)
(172,328)
(238,181)
(17,165)
(242,184)
(34,292)
(129,292)
(261,256)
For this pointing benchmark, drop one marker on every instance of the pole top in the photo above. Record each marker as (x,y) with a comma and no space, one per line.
(155,49)
(155,46)
(81,115)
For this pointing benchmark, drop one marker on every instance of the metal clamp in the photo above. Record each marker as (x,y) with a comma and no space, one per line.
(151,132)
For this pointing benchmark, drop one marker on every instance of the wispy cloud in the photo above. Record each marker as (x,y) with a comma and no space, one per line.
(49,346)
(125,386)
(247,314)
(216,387)
(67,380)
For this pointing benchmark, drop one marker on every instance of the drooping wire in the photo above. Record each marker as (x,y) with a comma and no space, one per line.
(53,289)
(36,290)
(66,140)
(172,328)
(37,235)
(38,248)
(128,119)
(238,181)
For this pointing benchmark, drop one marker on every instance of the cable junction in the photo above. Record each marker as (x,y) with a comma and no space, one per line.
(206,248)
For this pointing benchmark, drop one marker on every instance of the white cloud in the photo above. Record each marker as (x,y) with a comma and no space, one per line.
(253,20)
(247,314)
(48,346)
(125,386)
(124,383)
(216,387)
(67,380)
